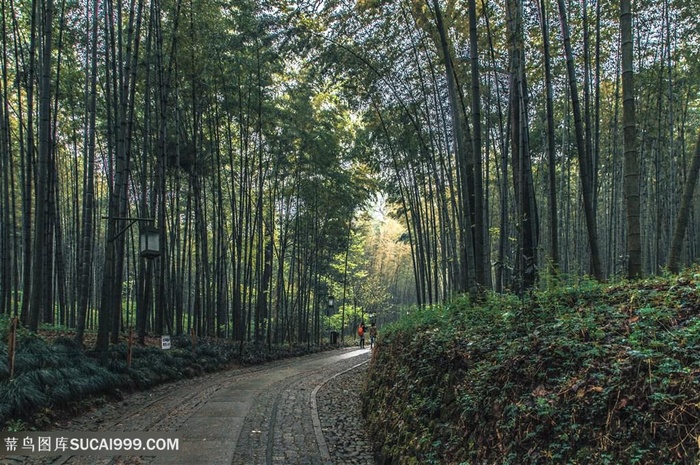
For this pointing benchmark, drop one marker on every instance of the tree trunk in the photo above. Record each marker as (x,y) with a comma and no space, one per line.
(584,160)
(85,262)
(27,164)
(631,179)
(7,212)
(122,98)
(551,148)
(480,234)
(39,271)
(461,154)
(684,211)
(520,151)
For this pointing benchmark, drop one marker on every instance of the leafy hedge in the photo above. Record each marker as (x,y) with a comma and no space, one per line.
(59,375)
(587,375)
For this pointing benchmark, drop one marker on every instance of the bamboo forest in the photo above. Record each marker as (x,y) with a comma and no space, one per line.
(270,170)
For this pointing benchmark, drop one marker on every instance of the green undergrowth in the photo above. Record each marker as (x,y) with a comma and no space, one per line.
(53,378)
(593,374)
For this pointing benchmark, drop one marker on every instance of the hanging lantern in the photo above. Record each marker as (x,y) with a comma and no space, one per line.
(150,242)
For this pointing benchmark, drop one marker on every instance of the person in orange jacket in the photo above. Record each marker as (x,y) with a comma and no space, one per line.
(361,333)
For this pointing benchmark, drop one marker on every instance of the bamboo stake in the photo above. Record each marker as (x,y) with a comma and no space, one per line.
(130,344)
(12,344)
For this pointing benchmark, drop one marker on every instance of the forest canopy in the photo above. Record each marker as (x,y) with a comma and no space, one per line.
(384,153)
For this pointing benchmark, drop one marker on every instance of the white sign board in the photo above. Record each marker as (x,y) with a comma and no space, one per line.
(165,341)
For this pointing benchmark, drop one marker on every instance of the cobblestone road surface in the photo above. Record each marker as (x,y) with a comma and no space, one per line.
(301,411)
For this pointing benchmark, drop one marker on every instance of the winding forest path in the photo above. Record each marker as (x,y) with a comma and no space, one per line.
(295,411)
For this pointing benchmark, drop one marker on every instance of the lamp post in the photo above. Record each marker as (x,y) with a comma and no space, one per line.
(329,310)
(149,247)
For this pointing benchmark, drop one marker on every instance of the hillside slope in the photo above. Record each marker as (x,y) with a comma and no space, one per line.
(592,374)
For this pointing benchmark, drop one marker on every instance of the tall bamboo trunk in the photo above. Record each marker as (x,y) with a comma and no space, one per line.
(520,152)
(551,148)
(684,211)
(631,178)
(585,165)
(469,258)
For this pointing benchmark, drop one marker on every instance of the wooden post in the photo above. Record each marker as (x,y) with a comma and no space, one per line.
(129,345)
(12,345)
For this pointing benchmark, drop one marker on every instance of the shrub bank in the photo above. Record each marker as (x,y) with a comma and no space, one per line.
(588,375)
(57,376)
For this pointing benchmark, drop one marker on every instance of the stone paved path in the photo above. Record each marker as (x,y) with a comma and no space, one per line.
(288,425)
(341,423)
(299,411)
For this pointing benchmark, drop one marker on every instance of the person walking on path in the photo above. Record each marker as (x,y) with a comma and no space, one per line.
(361,333)
(372,335)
